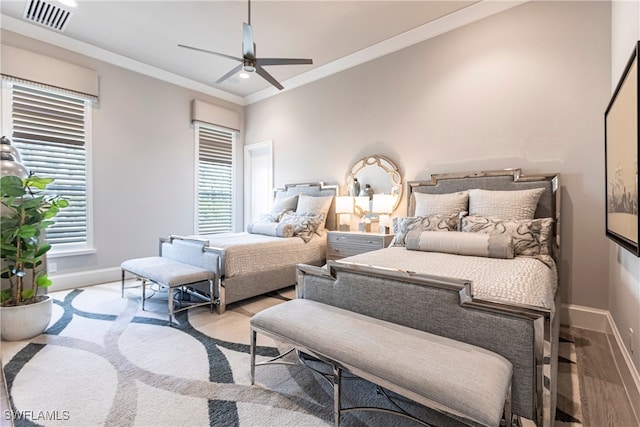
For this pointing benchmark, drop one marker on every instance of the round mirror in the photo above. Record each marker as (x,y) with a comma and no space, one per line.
(374,175)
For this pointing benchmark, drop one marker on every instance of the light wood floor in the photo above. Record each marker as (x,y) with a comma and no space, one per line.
(605,400)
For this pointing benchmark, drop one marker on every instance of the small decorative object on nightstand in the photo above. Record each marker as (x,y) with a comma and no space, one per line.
(342,244)
(362,207)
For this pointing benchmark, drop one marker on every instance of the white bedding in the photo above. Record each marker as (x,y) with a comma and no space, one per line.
(522,280)
(252,253)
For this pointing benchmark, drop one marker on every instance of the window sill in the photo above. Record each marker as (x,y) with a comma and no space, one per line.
(70,252)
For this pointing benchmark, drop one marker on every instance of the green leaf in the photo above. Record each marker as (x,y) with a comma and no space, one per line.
(11,186)
(44,281)
(6,295)
(37,182)
(42,250)
(27,293)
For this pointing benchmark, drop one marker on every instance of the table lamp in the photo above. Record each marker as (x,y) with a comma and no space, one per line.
(344,209)
(383,206)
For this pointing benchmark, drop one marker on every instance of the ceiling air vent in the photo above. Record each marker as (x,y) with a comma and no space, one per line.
(47,14)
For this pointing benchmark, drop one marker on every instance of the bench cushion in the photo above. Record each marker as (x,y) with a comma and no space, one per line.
(467,379)
(166,271)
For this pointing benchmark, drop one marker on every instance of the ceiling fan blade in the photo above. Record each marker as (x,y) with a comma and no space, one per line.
(211,52)
(230,73)
(282,61)
(268,77)
(248,47)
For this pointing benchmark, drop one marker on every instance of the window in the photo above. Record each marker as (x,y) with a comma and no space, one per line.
(50,129)
(215,179)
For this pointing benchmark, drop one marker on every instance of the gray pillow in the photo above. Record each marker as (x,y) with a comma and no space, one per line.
(473,244)
(282,205)
(276,229)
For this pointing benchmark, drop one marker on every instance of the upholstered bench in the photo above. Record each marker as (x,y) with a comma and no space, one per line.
(170,271)
(465,382)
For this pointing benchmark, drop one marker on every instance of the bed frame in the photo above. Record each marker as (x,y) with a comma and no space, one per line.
(526,336)
(238,288)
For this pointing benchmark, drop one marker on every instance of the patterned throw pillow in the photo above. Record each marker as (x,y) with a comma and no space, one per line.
(517,204)
(441,204)
(316,205)
(304,225)
(401,226)
(530,237)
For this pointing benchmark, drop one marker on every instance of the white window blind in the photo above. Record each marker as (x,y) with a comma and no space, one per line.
(215,180)
(49,129)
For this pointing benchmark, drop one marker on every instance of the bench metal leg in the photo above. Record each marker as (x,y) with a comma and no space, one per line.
(508,416)
(171,305)
(336,395)
(252,352)
(122,287)
(144,294)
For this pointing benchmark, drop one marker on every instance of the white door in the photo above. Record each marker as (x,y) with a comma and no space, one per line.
(258,167)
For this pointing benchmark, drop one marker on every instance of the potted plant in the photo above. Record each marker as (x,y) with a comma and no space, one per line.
(26,213)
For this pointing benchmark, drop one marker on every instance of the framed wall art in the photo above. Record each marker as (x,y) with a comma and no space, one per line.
(621,159)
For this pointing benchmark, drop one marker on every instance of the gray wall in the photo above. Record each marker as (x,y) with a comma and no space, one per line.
(624,268)
(143,147)
(524,88)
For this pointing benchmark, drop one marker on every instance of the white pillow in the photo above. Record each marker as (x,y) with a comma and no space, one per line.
(520,204)
(441,204)
(316,205)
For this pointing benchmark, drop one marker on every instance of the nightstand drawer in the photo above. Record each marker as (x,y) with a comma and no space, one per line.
(344,244)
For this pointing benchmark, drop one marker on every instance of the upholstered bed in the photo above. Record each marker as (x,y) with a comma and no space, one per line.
(474,260)
(264,258)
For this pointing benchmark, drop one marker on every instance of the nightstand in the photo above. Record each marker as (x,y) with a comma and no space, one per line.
(342,244)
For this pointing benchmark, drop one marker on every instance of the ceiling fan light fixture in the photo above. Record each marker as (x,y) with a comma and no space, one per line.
(244,75)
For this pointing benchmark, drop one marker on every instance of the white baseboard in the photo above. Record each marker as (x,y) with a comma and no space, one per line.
(585,317)
(85,278)
(599,320)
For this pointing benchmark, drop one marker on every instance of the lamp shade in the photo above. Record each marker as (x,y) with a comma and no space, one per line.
(383,203)
(344,204)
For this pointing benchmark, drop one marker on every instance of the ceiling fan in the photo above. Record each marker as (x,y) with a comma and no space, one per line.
(249,63)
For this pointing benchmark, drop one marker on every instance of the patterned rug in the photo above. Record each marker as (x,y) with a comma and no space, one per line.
(104,361)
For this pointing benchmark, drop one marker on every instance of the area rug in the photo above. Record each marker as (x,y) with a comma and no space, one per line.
(104,361)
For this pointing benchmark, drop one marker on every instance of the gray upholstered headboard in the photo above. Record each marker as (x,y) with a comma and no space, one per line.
(313,189)
(508,179)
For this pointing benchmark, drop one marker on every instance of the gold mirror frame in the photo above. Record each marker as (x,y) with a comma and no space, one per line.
(387,166)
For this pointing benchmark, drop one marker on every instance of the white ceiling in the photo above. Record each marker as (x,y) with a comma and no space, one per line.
(338,34)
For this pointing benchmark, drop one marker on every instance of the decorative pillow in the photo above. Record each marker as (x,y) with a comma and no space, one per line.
(304,225)
(475,244)
(276,229)
(520,204)
(441,204)
(401,226)
(530,237)
(282,205)
(317,205)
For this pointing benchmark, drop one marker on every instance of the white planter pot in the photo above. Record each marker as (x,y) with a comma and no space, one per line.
(26,321)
